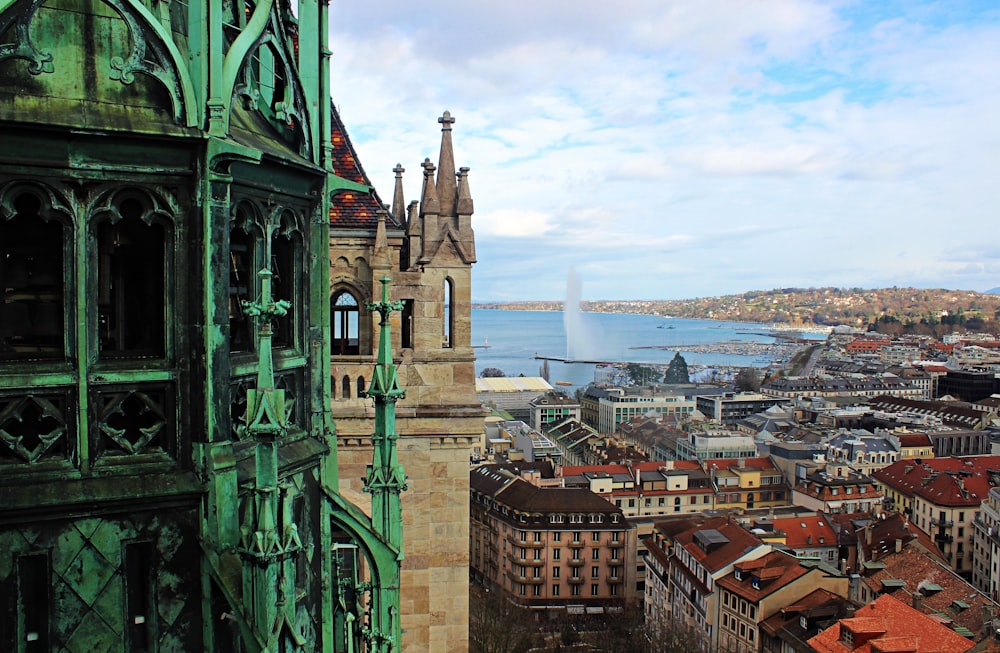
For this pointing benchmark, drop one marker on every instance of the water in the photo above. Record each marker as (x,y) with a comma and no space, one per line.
(515,337)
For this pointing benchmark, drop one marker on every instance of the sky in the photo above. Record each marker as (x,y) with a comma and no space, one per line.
(675,149)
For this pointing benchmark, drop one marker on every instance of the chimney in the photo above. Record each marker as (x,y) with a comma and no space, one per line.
(899,544)
(918,601)
(868,534)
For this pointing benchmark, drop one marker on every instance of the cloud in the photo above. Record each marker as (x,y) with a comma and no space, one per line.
(734,144)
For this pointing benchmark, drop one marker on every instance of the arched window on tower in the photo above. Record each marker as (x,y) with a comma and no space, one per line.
(344,324)
(285,256)
(243,266)
(449,314)
(345,387)
(32,324)
(361,386)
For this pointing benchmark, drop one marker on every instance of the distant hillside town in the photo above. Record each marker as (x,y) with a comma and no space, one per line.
(889,310)
(851,507)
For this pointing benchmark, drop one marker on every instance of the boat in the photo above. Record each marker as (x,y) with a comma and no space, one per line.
(563,383)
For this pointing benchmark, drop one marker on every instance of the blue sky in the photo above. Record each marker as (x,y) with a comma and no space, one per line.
(669,150)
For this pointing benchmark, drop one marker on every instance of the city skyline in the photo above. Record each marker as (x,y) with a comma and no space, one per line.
(677,150)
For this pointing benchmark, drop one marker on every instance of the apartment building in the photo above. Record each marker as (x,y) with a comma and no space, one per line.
(809,537)
(788,629)
(942,497)
(790,387)
(703,554)
(551,549)
(986,546)
(757,589)
(747,483)
(645,489)
(617,406)
(848,492)
(552,408)
(730,407)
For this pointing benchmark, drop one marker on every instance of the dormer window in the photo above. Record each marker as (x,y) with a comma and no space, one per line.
(755,583)
(737,574)
(803,622)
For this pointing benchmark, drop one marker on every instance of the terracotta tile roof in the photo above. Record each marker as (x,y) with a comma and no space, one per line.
(964,481)
(885,531)
(936,586)
(802,532)
(738,541)
(770,573)
(886,621)
(820,608)
(351,209)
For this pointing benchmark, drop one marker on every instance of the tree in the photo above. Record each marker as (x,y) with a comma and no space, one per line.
(492,372)
(747,380)
(496,625)
(641,374)
(628,632)
(677,371)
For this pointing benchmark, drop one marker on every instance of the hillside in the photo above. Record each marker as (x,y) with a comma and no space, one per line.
(910,309)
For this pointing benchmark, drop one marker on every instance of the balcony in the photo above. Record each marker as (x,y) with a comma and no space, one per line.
(527,580)
(946,523)
(615,545)
(576,544)
(615,562)
(528,544)
(615,580)
(943,537)
(576,580)
(576,562)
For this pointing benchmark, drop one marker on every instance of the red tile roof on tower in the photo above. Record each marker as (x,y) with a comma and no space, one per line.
(885,625)
(351,209)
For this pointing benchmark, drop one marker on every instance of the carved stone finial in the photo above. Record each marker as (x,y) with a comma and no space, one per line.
(446,121)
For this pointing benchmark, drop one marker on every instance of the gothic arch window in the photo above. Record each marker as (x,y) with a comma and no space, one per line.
(131,290)
(286,254)
(33,254)
(244,232)
(345,387)
(448,336)
(361,386)
(345,324)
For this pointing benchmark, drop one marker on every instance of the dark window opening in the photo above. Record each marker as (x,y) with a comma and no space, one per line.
(131,299)
(406,326)
(140,617)
(361,386)
(345,387)
(33,584)
(448,323)
(242,282)
(344,323)
(31,284)
(284,252)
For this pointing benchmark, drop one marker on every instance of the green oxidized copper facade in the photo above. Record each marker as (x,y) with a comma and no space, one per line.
(168,466)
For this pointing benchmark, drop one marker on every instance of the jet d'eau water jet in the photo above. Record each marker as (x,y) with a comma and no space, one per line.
(578,341)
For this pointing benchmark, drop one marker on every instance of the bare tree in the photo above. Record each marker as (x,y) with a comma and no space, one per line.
(628,632)
(496,625)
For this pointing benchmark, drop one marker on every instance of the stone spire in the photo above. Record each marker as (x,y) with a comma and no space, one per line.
(382,257)
(429,215)
(464,210)
(446,190)
(398,212)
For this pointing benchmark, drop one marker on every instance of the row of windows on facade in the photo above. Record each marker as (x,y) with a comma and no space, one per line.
(574,590)
(134,259)
(595,572)
(595,536)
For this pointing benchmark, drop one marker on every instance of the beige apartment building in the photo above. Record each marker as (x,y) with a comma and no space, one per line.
(942,497)
(757,589)
(551,549)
